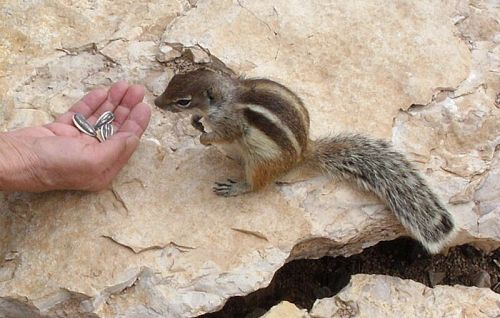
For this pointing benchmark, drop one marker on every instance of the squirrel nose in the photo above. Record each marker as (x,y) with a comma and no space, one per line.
(159,101)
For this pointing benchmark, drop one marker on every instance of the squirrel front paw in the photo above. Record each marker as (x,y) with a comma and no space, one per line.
(206,139)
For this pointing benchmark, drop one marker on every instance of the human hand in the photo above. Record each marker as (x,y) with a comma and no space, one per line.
(59,156)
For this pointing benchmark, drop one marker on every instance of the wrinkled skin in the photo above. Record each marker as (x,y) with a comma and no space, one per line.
(58,156)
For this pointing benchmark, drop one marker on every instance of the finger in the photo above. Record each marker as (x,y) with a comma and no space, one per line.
(86,106)
(96,101)
(113,155)
(114,97)
(60,129)
(134,95)
(137,120)
(117,151)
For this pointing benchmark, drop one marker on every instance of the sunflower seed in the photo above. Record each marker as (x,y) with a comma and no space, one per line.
(104,132)
(100,136)
(107,131)
(105,118)
(83,125)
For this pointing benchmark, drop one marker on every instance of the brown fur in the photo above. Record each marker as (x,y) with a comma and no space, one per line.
(280,106)
(261,174)
(271,130)
(271,125)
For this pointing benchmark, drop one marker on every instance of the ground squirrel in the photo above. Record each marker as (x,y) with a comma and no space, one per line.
(270,125)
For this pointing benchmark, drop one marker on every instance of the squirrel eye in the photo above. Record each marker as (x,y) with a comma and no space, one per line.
(183,102)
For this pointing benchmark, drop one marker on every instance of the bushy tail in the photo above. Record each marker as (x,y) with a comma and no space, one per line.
(372,164)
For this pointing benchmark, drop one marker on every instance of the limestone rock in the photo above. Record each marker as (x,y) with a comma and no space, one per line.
(28,117)
(350,68)
(286,309)
(158,243)
(167,53)
(199,56)
(384,296)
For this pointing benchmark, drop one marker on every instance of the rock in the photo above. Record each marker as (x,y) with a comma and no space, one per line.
(157,85)
(199,56)
(435,278)
(384,296)
(481,279)
(167,53)
(27,117)
(59,103)
(7,271)
(285,309)
(158,243)
(318,47)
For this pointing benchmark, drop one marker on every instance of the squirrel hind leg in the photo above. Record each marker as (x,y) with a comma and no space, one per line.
(259,174)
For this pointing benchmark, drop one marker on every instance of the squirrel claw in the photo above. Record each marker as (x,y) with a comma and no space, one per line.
(230,188)
(222,185)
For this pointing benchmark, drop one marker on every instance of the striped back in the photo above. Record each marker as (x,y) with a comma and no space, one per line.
(276,112)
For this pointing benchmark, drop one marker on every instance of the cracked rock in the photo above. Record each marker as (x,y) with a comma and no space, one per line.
(285,309)
(158,243)
(384,296)
(167,53)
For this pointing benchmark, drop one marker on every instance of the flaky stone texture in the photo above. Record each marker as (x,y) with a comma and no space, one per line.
(159,243)
(373,296)
(286,309)
(354,68)
(456,137)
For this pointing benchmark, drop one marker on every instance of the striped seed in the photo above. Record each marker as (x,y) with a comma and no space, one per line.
(104,132)
(105,118)
(83,125)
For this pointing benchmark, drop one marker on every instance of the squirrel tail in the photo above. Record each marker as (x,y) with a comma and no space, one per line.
(375,166)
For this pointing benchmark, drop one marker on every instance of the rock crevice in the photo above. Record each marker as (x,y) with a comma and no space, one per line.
(356,67)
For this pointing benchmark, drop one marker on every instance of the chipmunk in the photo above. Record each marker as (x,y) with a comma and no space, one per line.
(270,124)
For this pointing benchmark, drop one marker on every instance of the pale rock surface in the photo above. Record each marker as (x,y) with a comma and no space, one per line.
(374,296)
(286,309)
(158,243)
(352,64)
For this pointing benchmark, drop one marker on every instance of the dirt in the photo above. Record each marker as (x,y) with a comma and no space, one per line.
(303,281)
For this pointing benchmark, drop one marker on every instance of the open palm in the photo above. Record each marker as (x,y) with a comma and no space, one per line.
(59,156)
